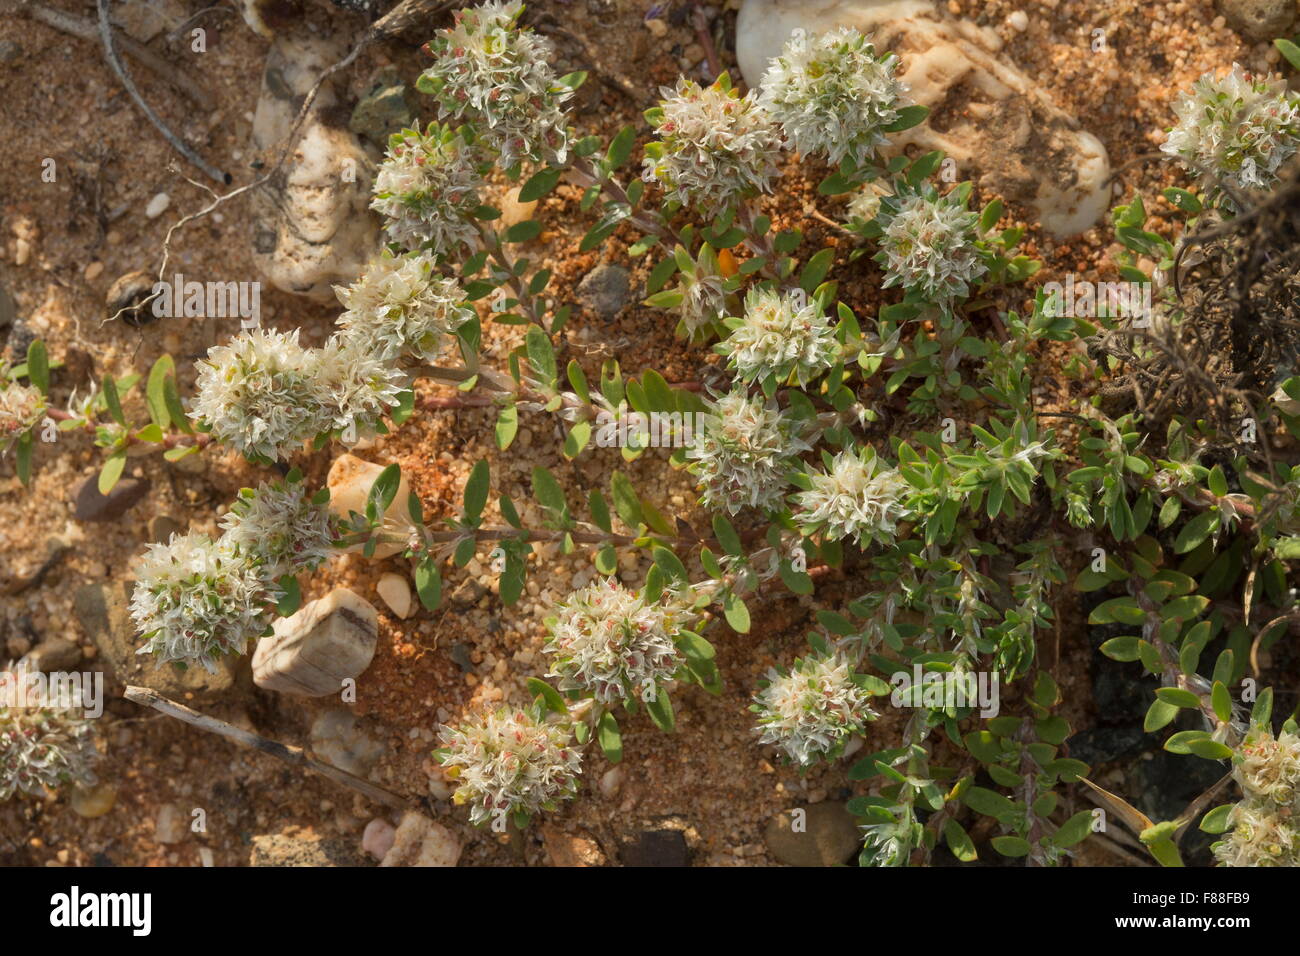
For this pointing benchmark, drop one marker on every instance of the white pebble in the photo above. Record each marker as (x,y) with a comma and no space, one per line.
(396,593)
(157,206)
(1019,21)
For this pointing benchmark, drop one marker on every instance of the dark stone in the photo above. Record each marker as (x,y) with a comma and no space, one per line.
(92,506)
(605,290)
(8,309)
(1102,745)
(1162,786)
(20,339)
(656,848)
(825,834)
(9,51)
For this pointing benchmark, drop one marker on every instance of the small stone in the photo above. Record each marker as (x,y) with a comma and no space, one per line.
(126,299)
(513,211)
(657,27)
(421,842)
(22,251)
(162,527)
(339,738)
(157,206)
(17,645)
(92,506)
(378,838)
(169,827)
(385,110)
(1018,21)
(8,309)
(1260,19)
(656,848)
(93,271)
(611,780)
(349,482)
(605,289)
(302,846)
(55,654)
(396,593)
(313,651)
(9,51)
(570,849)
(825,836)
(94,801)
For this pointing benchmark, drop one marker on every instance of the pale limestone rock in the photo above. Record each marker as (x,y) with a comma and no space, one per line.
(313,226)
(349,482)
(378,838)
(396,593)
(313,651)
(989,116)
(421,842)
(340,738)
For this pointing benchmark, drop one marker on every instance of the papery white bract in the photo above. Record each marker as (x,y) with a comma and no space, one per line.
(21,408)
(359,384)
(859,497)
(260,393)
(810,710)
(44,742)
(609,641)
(196,601)
(834,95)
(778,335)
(279,528)
(488,69)
(428,188)
(1237,127)
(714,146)
(929,247)
(506,761)
(401,305)
(745,452)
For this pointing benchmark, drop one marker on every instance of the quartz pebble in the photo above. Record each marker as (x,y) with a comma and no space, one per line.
(314,650)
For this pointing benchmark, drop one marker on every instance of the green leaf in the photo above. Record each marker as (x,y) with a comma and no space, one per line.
(507,426)
(155,393)
(476,490)
(1178,697)
(541,356)
(23,464)
(620,147)
(38,366)
(382,493)
(1012,846)
(609,737)
(1195,531)
(549,695)
(1074,830)
(550,495)
(959,842)
(1290,51)
(291,599)
(524,231)
(111,472)
(988,802)
(112,401)
(815,270)
(736,613)
(1222,701)
(1159,715)
(661,711)
(1217,820)
(671,564)
(626,503)
(539,184)
(727,537)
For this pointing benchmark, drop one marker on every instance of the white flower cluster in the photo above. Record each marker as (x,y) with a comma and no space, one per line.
(278,528)
(21,408)
(43,743)
(401,305)
(864,205)
(704,299)
(781,336)
(929,247)
(811,710)
(428,187)
(609,641)
(744,453)
(1266,831)
(859,497)
(196,601)
(500,75)
(1239,128)
(714,145)
(264,394)
(833,95)
(506,762)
